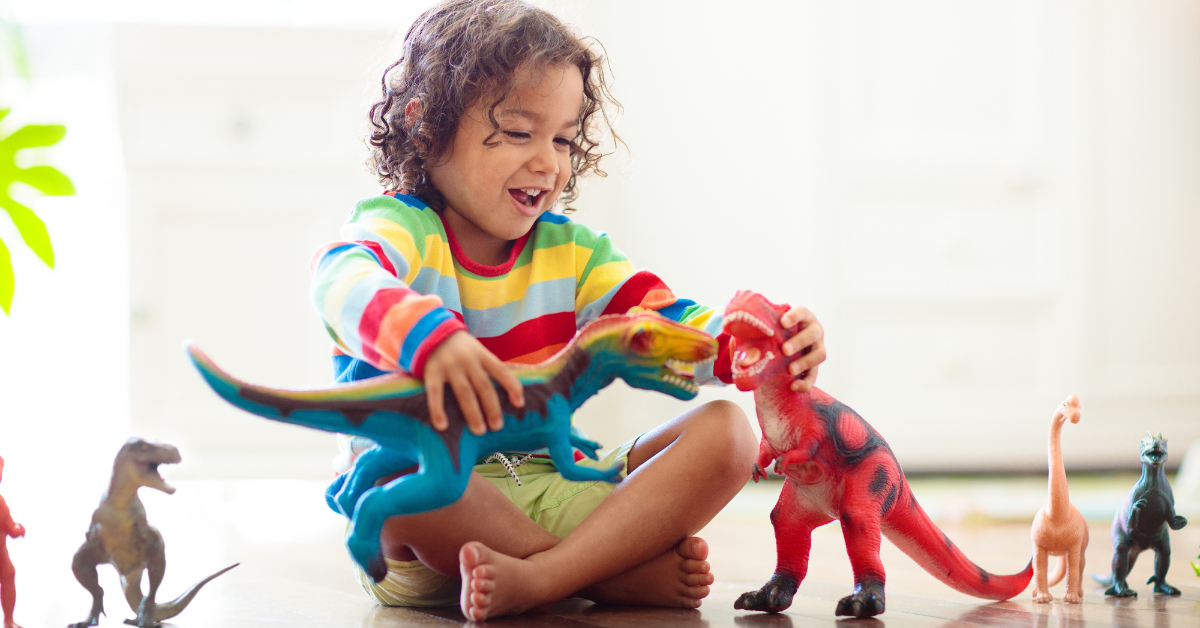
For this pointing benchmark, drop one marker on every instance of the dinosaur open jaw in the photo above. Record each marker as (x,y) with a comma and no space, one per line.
(745,365)
(743,324)
(151,477)
(674,374)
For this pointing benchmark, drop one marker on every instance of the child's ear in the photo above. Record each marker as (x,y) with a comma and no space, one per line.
(413,111)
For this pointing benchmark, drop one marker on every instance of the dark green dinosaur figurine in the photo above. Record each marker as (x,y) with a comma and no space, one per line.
(120,535)
(1142,523)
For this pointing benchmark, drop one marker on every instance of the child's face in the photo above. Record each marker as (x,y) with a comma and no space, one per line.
(489,186)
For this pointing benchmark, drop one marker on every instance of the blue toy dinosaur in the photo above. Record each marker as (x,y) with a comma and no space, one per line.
(642,349)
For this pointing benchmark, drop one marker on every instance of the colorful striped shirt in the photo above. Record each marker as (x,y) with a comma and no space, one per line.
(398,283)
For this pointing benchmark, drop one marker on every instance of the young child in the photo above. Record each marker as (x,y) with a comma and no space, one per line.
(486,122)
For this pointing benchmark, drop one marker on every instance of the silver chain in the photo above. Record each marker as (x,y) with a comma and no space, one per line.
(509,464)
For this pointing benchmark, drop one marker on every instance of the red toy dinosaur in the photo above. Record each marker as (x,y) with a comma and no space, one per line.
(837,467)
(8,589)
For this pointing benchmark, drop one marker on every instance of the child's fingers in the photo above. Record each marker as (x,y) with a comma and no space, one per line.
(796,316)
(435,388)
(488,398)
(808,360)
(468,403)
(807,337)
(507,380)
(805,383)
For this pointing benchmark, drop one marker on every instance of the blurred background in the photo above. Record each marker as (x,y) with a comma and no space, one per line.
(990,205)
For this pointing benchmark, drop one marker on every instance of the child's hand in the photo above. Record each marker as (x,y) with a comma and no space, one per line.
(461,361)
(808,343)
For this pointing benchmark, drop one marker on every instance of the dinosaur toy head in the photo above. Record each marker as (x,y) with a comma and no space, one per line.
(649,351)
(755,339)
(138,461)
(1154,449)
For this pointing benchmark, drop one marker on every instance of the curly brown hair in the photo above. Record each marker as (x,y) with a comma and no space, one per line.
(462,51)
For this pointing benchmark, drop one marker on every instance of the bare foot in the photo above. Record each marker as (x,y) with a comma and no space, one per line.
(678,578)
(494,584)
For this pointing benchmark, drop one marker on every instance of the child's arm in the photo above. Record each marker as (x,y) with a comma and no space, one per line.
(609,285)
(361,288)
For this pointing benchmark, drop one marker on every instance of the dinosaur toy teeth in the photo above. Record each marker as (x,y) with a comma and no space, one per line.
(743,324)
(753,368)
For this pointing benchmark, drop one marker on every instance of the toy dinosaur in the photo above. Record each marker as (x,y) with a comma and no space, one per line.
(121,536)
(1059,529)
(1142,523)
(837,467)
(391,409)
(8,575)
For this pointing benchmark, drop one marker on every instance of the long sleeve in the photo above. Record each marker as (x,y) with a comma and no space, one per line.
(609,284)
(372,287)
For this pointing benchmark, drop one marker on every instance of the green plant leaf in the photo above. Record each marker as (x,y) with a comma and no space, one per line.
(6,279)
(32,229)
(33,136)
(47,180)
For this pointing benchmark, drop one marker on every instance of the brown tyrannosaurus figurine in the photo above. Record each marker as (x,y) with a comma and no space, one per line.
(121,536)
(1059,529)
(8,575)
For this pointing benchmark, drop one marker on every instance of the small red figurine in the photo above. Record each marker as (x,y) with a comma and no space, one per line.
(8,587)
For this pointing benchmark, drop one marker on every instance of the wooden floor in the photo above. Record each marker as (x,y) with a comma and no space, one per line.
(295,573)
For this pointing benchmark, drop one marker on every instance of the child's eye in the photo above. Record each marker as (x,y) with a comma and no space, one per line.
(564,142)
(517,135)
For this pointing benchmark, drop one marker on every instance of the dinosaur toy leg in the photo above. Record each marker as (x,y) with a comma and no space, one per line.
(861,531)
(1162,561)
(1075,562)
(564,461)
(156,567)
(1124,556)
(132,584)
(369,468)
(434,486)
(84,568)
(794,519)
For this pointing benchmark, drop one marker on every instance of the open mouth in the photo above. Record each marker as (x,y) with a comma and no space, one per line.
(150,471)
(679,373)
(527,197)
(742,369)
(743,324)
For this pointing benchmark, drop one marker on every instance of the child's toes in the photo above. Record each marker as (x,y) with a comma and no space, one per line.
(695,566)
(483,585)
(692,547)
(698,579)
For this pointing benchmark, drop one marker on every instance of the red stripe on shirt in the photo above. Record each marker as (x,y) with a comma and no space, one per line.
(531,335)
(379,255)
(368,326)
(723,367)
(635,290)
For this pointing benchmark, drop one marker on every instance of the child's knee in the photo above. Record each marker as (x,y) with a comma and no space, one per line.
(725,427)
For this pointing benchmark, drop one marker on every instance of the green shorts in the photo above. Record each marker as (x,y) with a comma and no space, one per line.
(552,501)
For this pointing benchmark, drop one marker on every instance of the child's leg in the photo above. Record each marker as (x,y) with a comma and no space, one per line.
(483,514)
(681,475)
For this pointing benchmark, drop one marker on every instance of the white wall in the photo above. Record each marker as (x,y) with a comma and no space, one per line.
(990,205)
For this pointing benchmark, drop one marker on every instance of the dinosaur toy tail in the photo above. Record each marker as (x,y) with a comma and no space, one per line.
(1060,570)
(167,610)
(916,535)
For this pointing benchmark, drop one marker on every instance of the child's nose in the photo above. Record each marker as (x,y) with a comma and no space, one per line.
(545,160)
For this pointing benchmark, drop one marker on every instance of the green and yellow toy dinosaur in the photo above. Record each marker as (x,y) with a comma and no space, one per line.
(646,350)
